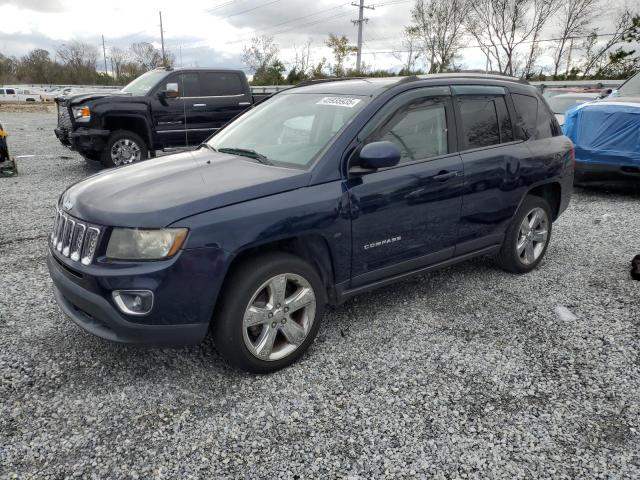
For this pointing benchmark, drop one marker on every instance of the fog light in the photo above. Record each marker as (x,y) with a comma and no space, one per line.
(133,302)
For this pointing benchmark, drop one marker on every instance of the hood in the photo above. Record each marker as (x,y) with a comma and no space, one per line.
(158,192)
(78,98)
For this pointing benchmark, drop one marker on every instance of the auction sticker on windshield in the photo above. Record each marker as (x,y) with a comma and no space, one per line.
(339,101)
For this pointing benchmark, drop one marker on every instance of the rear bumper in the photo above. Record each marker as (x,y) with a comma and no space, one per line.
(95,314)
(606,173)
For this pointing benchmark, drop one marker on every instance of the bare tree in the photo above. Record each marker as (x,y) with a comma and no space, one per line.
(302,58)
(575,16)
(501,26)
(119,57)
(542,11)
(261,54)
(440,24)
(410,47)
(627,25)
(146,55)
(80,60)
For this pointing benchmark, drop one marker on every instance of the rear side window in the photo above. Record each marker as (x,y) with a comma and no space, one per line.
(11,91)
(216,84)
(419,130)
(485,121)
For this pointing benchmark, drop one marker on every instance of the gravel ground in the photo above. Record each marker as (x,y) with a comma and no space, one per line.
(465,373)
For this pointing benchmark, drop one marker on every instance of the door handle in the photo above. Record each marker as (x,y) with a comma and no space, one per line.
(244,104)
(444,176)
(199,104)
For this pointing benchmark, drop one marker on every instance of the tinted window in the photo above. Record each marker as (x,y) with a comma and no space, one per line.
(215,84)
(504,120)
(11,91)
(527,110)
(419,131)
(1,91)
(188,85)
(479,122)
(546,121)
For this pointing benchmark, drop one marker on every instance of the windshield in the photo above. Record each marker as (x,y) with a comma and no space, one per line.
(631,88)
(145,82)
(562,104)
(290,128)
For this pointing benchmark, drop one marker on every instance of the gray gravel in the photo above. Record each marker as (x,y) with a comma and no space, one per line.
(468,372)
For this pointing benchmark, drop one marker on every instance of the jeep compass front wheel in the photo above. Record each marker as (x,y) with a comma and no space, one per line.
(527,237)
(269,312)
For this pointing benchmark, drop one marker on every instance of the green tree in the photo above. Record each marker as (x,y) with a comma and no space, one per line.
(341,51)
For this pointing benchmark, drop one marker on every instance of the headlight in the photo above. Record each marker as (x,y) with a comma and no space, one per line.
(134,244)
(81,114)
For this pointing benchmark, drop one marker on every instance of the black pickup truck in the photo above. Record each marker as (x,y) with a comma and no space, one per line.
(163,108)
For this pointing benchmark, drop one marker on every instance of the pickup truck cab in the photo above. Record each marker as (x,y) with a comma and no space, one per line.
(317,194)
(162,108)
(12,94)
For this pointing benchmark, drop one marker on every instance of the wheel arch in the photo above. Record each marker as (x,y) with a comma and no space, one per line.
(132,123)
(312,248)
(552,193)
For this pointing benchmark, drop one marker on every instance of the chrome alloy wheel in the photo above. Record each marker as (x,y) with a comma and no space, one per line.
(279,317)
(125,151)
(533,235)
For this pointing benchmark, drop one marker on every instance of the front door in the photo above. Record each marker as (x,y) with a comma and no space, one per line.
(406,217)
(171,114)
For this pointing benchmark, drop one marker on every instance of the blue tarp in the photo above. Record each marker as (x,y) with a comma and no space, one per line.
(605,132)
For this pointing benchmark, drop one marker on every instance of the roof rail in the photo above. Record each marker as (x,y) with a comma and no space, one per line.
(304,83)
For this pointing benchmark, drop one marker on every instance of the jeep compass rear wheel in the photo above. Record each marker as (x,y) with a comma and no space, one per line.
(528,236)
(124,147)
(269,312)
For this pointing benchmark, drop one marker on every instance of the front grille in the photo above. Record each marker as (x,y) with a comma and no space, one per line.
(64,119)
(74,238)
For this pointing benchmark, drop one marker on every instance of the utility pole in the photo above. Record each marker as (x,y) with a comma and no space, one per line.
(104,54)
(164,58)
(359,22)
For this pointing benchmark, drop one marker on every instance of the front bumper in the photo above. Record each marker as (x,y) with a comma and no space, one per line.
(606,173)
(89,139)
(83,298)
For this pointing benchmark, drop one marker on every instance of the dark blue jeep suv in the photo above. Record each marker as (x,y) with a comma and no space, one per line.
(321,192)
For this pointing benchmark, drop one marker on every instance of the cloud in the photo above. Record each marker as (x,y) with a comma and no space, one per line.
(36,5)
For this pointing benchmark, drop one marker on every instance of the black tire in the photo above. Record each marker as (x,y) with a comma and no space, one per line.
(508,258)
(244,281)
(119,135)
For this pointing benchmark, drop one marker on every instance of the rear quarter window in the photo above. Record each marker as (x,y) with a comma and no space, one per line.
(535,115)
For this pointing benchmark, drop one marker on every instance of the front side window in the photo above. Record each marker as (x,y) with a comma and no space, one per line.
(290,128)
(188,84)
(419,130)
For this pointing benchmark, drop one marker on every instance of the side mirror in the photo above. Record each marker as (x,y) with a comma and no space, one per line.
(605,92)
(379,155)
(170,91)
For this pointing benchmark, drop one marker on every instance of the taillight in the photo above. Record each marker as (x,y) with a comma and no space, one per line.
(573,156)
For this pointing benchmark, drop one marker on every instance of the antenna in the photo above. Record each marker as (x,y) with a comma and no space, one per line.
(359,22)
(104,54)
(164,58)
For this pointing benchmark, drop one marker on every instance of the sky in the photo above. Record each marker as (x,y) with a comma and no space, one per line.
(212,33)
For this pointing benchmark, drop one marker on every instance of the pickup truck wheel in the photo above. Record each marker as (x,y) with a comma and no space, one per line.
(124,147)
(269,313)
(527,237)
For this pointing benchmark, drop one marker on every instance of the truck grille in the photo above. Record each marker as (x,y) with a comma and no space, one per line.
(64,119)
(74,239)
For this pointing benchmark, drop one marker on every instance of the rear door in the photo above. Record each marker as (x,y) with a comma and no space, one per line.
(495,165)
(406,217)
(222,96)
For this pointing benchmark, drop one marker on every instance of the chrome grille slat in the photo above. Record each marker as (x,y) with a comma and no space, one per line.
(74,238)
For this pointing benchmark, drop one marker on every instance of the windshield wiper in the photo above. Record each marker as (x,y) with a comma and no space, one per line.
(245,152)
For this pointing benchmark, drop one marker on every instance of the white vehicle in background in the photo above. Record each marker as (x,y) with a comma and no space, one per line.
(13,94)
